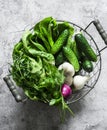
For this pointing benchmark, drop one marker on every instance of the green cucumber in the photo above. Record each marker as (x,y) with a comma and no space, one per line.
(70,55)
(72,44)
(60,58)
(84,46)
(60,41)
(75,49)
(87,65)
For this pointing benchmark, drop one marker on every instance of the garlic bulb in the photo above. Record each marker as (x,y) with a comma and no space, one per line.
(68,80)
(68,68)
(79,81)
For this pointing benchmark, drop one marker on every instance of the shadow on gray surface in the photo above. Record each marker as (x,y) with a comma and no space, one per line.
(40,116)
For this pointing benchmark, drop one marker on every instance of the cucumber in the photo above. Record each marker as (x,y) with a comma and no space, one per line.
(59,59)
(60,41)
(70,55)
(87,65)
(72,44)
(84,46)
(75,50)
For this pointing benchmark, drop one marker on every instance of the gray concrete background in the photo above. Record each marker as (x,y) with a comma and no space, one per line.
(16,15)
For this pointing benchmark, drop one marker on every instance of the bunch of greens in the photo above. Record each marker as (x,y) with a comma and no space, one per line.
(34,68)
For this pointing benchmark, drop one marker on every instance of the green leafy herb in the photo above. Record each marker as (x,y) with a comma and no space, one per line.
(34,67)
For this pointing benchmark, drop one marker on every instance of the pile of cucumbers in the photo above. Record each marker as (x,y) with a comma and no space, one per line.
(59,39)
(75,49)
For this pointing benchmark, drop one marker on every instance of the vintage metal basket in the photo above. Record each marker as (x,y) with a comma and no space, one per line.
(94,74)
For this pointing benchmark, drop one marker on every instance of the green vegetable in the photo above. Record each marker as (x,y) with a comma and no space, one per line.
(72,44)
(46,44)
(87,65)
(69,42)
(69,54)
(60,58)
(84,46)
(65,25)
(43,30)
(43,54)
(34,68)
(59,28)
(35,75)
(35,44)
(75,49)
(60,42)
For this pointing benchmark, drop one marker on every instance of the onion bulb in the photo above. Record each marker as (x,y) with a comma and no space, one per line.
(79,81)
(66,90)
(68,68)
(68,80)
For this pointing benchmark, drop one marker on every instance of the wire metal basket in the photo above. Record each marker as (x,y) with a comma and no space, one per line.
(76,96)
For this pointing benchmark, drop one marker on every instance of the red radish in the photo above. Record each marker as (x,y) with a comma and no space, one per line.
(66,90)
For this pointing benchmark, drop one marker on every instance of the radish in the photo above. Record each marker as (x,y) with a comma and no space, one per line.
(66,90)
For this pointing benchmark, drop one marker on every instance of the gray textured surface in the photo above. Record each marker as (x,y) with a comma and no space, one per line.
(16,15)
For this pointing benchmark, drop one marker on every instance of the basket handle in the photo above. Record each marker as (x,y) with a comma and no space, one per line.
(12,88)
(100,29)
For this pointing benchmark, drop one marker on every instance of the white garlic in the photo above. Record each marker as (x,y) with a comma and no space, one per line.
(68,68)
(68,80)
(79,81)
